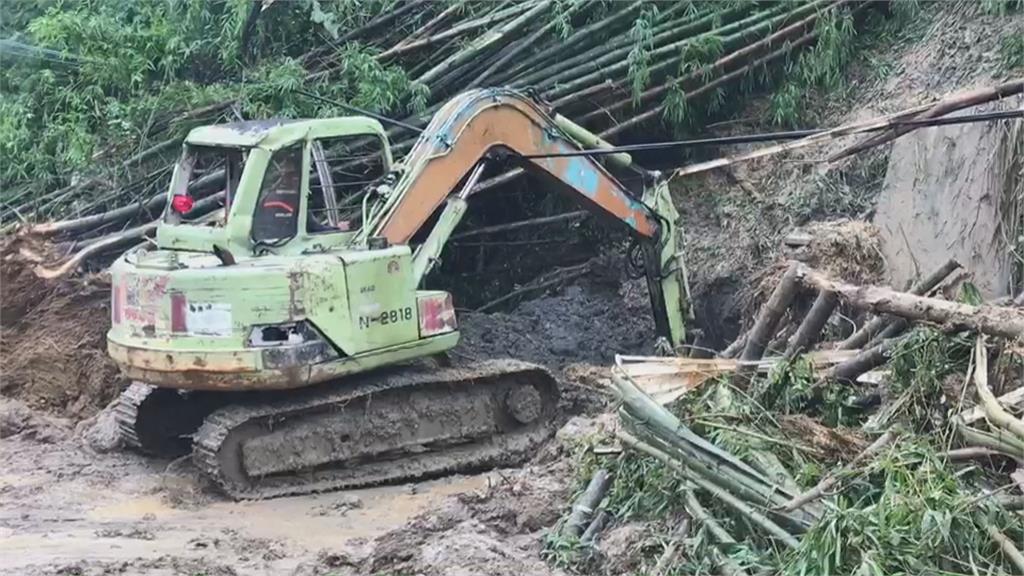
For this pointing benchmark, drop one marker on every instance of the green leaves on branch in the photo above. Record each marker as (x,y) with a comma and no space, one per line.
(98,79)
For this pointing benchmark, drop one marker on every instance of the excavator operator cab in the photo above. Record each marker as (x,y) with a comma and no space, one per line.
(284,185)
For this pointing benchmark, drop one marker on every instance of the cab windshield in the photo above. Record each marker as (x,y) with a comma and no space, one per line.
(204,184)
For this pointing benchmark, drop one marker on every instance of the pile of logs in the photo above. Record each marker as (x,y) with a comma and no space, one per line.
(895,313)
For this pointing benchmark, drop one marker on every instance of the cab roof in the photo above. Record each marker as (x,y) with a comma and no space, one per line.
(276,133)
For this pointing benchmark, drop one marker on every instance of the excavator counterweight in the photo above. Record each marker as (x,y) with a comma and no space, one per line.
(270,323)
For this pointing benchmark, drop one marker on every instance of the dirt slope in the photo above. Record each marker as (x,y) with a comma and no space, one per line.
(53,339)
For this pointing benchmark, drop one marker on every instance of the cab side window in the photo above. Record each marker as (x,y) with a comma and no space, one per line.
(341,171)
(277,208)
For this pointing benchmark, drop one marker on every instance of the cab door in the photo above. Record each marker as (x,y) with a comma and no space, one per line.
(380,302)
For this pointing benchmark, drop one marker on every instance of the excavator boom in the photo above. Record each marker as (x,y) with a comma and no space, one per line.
(488,123)
(478,123)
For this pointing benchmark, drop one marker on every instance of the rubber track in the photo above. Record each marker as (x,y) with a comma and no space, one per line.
(218,426)
(126,412)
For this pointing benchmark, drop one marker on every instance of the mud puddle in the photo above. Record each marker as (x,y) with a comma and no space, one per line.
(67,510)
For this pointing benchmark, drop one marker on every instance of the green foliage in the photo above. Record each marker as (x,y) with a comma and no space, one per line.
(912,515)
(676,111)
(1011,52)
(919,368)
(94,78)
(639,57)
(561,551)
(1001,7)
(820,66)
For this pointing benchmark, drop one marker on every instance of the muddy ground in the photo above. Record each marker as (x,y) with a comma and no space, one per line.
(67,509)
(74,503)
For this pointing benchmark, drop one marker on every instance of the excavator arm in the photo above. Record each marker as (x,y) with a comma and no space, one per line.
(480,124)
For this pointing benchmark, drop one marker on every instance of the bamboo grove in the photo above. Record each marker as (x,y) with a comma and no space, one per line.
(102,92)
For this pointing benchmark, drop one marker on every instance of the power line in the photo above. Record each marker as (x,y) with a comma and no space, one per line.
(773,136)
(351,108)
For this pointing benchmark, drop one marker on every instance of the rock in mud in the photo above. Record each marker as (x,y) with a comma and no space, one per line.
(17,419)
(619,547)
(101,432)
(340,506)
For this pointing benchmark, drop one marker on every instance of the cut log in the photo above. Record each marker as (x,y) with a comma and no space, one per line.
(807,334)
(587,502)
(864,361)
(861,337)
(991,320)
(769,316)
(596,526)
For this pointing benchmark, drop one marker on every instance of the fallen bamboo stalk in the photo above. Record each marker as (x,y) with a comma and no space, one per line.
(719,534)
(1012,398)
(657,418)
(864,361)
(668,557)
(769,316)
(587,502)
(529,42)
(940,108)
(991,320)
(733,349)
(454,31)
(433,23)
(859,338)
(827,483)
(969,453)
(994,412)
(153,203)
(727,498)
(614,61)
(82,255)
(114,240)
(812,324)
(559,276)
(591,32)
(96,220)
(600,520)
(838,132)
(667,379)
(1003,444)
(567,217)
(598,53)
(706,71)
(1007,546)
(701,515)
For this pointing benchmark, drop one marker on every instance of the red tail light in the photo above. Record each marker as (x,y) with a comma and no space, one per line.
(437,315)
(182,203)
(179,311)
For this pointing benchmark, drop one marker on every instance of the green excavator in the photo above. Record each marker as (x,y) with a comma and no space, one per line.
(277,327)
